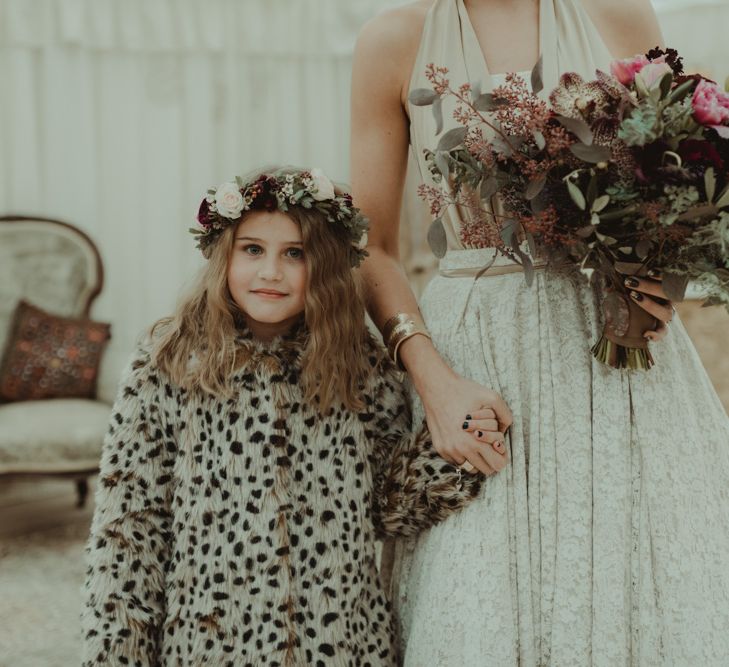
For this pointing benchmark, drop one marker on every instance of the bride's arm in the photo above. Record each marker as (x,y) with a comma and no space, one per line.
(383,61)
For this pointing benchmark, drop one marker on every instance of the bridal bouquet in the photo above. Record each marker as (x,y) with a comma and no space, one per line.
(623,175)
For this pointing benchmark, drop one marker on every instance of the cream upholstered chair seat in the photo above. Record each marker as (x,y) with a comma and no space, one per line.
(56,267)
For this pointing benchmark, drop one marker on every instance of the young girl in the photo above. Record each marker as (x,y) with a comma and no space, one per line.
(259,442)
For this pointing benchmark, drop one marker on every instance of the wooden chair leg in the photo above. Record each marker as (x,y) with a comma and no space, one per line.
(82,490)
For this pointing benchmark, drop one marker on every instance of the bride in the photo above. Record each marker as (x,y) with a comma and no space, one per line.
(604,540)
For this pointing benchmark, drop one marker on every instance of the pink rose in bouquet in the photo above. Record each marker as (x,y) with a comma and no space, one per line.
(626,69)
(711,107)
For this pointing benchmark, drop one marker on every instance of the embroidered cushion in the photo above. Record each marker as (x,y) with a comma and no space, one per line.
(47,356)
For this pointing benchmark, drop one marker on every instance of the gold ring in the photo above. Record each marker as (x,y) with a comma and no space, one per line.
(467,466)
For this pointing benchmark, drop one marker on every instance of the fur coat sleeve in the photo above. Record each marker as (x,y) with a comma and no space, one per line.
(131,526)
(414,488)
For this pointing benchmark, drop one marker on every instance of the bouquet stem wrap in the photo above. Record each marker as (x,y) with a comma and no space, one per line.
(622,344)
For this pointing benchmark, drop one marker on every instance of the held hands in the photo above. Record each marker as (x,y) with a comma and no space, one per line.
(475,437)
(649,295)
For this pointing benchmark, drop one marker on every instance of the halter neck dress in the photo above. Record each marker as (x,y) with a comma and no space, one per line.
(605,541)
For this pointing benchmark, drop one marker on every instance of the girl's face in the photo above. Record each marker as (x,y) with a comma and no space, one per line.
(267,273)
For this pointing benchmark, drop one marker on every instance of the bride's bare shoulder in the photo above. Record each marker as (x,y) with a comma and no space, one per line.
(395,33)
(627,26)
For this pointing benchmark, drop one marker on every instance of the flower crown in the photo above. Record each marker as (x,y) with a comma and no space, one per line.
(280,190)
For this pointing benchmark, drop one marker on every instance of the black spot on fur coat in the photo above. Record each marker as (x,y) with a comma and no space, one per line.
(242,532)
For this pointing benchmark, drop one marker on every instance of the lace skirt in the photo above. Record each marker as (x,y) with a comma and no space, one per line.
(606,539)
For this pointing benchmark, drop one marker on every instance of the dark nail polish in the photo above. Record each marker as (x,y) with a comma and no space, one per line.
(631,282)
(465,425)
(637,296)
(479,433)
(654,273)
(469,417)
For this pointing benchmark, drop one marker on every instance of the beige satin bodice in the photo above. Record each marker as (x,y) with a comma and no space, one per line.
(569,42)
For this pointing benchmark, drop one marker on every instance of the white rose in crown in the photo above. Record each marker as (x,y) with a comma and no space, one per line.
(324,189)
(229,200)
(363,241)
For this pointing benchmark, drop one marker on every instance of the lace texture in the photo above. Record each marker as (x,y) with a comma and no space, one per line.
(606,539)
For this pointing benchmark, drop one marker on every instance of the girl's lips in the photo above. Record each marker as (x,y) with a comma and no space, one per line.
(268,294)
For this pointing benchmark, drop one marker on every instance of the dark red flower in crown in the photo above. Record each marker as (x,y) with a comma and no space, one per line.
(203,213)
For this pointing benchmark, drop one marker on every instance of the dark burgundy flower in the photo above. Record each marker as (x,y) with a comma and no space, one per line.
(701,152)
(673,60)
(203,213)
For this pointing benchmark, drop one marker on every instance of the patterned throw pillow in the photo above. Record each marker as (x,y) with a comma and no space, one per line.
(47,356)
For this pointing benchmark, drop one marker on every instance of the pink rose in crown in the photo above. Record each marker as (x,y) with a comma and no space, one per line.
(626,69)
(711,107)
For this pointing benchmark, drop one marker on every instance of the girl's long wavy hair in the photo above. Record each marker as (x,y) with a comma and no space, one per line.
(207,321)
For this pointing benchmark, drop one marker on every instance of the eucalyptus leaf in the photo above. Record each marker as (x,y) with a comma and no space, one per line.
(674,286)
(532,245)
(507,231)
(681,91)
(452,139)
(576,195)
(539,140)
(489,187)
(578,127)
(710,183)
(487,102)
(586,231)
(438,115)
(528,267)
(536,185)
(422,97)
(500,145)
(723,199)
(537,81)
(600,203)
(643,247)
(593,154)
(665,84)
(441,161)
(437,238)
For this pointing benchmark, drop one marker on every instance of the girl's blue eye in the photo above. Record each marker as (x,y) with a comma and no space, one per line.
(253,249)
(295,253)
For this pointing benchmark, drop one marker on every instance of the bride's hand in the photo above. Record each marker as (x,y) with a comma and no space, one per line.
(643,291)
(457,410)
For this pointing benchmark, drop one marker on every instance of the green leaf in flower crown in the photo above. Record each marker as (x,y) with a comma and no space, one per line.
(532,244)
(489,187)
(452,139)
(438,115)
(576,195)
(536,77)
(536,185)
(674,286)
(422,97)
(487,102)
(437,238)
(500,145)
(578,127)
(528,267)
(592,154)
(710,184)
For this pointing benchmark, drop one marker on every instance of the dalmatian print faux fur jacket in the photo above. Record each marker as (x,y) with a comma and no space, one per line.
(241,532)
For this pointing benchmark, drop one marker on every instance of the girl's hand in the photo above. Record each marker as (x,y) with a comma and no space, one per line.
(450,400)
(484,426)
(649,295)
